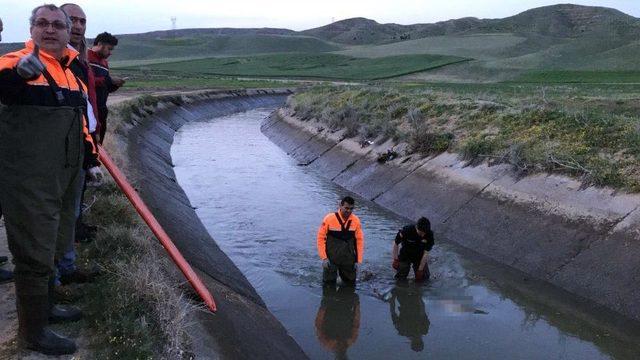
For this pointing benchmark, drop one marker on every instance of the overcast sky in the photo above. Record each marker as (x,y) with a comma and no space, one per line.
(132,16)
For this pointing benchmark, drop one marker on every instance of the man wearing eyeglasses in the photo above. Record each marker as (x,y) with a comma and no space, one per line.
(43,145)
(341,244)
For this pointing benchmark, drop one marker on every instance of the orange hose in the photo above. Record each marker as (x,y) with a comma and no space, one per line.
(157,229)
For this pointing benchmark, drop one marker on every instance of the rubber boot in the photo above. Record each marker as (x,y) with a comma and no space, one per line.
(33,333)
(5,276)
(61,313)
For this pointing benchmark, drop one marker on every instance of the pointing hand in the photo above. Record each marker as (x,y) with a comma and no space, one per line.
(30,66)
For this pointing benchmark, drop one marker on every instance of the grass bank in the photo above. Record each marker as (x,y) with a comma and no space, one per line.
(595,139)
(137,308)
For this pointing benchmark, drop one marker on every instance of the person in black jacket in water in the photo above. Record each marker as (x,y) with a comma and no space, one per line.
(411,249)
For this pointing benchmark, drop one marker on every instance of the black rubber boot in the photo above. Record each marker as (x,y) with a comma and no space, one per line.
(33,334)
(61,313)
(64,313)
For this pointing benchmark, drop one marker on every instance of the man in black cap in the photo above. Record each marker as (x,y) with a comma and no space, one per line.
(411,248)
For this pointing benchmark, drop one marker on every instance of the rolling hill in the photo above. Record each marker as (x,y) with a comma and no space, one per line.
(559,37)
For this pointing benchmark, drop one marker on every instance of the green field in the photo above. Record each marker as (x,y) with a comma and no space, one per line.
(316,66)
(479,46)
(162,81)
(132,48)
(589,77)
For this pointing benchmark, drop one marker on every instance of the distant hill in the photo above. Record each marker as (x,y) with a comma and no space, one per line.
(558,37)
(361,31)
(560,21)
(199,43)
(569,21)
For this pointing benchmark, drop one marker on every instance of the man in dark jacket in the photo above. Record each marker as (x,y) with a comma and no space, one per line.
(67,270)
(414,243)
(105,83)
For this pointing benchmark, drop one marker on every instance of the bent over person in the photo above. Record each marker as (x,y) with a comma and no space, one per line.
(42,150)
(414,243)
(341,243)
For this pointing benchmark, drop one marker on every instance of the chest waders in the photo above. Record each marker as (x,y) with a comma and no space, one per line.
(341,252)
(341,245)
(41,155)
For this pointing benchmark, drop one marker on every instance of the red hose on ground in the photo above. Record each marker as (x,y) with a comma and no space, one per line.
(157,229)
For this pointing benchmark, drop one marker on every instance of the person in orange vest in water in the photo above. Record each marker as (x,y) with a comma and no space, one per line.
(341,243)
(338,319)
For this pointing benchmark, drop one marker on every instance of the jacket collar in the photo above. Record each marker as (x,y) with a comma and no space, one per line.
(68,54)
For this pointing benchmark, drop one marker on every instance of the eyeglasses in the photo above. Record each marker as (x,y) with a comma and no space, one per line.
(44,24)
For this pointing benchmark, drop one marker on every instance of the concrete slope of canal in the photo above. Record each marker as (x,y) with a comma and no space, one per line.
(263,211)
(243,328)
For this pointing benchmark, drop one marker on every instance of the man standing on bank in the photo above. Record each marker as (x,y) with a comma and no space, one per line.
(39,180)
(416,241)
(103,45)
(341,244)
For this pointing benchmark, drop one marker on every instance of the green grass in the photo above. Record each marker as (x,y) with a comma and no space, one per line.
(596,139)
(570,77)
(138,81)
(319,66)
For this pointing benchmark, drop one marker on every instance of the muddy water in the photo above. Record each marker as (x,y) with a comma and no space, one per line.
(264,211)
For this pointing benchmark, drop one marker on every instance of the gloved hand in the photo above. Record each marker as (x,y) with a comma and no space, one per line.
(95,174)
(30,66)
(395,264)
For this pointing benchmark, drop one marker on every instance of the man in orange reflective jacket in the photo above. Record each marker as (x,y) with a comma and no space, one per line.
(341,243)
(39,179)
